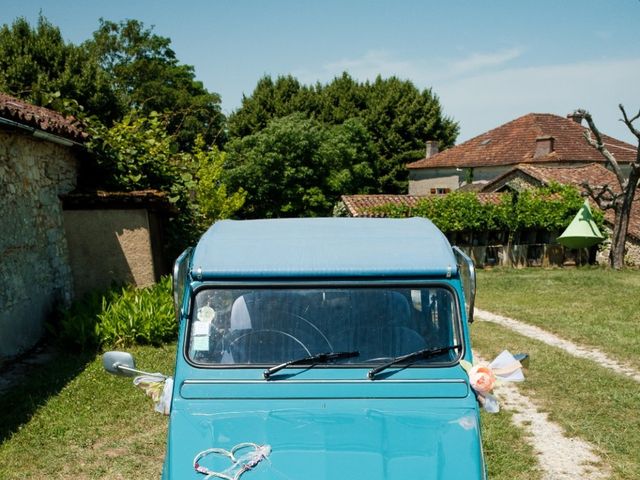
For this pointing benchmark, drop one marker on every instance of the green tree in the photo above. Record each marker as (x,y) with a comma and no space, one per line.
(146,75)
(398,117)
(298,166)
(137,153)
(37,65)
(269,100)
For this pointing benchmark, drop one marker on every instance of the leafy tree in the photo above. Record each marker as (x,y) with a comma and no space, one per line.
(146,75)
(398,117)
(37,65)
(401,118)
(137,153)
(299,167)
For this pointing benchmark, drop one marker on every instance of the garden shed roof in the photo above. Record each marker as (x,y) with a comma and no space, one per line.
(366,205)
(44,119)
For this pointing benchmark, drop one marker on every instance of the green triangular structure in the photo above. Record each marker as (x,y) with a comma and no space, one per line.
(582,231)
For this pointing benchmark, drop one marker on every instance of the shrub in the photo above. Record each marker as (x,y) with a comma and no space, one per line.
(138,316)
(120,317)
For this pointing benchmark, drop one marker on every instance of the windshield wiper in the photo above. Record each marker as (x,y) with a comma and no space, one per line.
(411,358)
(318,358)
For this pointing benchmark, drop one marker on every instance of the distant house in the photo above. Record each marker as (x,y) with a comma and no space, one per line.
(50,249)
(531,176)
(534,139)
(531,151)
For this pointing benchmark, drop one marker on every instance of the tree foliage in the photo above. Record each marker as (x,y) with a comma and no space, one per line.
(298,166)
(146,75)
(123,67)
(397,116)
(137,153)
(37,65)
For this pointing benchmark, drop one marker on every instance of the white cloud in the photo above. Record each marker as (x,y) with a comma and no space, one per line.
(478,61)
(484,101)
(481,91)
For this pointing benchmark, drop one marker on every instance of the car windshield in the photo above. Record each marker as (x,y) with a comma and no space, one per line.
(270,326)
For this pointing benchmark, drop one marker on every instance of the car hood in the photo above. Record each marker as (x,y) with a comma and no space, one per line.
(322,439)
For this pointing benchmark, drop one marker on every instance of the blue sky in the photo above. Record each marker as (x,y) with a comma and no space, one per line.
(488,61)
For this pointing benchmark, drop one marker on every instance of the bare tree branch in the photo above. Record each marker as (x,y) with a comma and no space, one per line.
(603,195)
(598,144)
(629,122)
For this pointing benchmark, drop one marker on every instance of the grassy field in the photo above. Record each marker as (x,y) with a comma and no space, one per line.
(70,419)
(588,401)
(592,306)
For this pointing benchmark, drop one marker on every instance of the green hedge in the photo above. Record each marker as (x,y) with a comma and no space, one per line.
(121,317)
(549,208)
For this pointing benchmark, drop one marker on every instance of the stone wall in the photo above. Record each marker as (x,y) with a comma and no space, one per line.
(34,270)
(631,254)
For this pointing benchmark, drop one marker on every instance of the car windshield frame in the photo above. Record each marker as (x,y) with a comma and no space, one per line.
(456,321)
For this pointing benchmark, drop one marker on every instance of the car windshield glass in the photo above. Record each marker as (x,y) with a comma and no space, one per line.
(273,326)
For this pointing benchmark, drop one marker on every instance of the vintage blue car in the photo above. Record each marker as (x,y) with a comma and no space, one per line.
(324,348)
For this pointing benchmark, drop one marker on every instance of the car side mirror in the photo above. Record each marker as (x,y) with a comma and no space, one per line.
(119,363)
(523,358)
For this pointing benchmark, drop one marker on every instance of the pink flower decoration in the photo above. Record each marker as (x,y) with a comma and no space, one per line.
(482,379)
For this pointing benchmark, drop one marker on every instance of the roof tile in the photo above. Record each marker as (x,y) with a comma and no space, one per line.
(515,142)
(41,118)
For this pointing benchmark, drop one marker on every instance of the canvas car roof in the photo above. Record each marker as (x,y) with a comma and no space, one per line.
(322,247)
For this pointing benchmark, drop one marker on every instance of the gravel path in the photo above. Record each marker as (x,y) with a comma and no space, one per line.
(579,351)
(559,457)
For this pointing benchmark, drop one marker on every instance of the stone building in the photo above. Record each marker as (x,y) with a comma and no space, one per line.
(534,139)
(39,155)
(56,242)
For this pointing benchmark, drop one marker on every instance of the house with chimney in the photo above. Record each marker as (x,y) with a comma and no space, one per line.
(531,151)
(540,139)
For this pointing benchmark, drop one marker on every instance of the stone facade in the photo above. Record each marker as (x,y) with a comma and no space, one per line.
(34,269)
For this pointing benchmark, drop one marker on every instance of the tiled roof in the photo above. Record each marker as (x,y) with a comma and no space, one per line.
(515,142)
(41,118)
(594,174)
(149,199)
(365,205)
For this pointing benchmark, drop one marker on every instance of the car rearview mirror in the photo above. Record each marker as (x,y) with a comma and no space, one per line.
(119,363)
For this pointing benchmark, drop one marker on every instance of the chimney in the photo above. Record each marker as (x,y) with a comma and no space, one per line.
(544,146)
(577,116)
(432,148)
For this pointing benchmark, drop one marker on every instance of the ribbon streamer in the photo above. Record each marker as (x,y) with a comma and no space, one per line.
(159,388)
(483,377)
(240,465)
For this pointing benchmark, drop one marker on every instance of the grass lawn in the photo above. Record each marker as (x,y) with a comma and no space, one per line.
(70,419)
(591,306)
(588,401)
